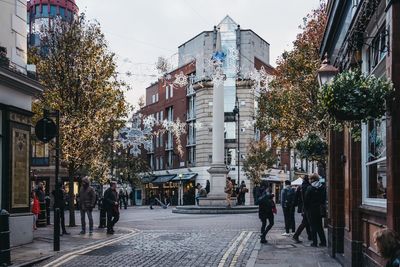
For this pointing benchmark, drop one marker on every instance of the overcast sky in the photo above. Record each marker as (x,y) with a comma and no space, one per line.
(139,31)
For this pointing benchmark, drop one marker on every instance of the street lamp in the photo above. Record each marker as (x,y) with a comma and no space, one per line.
(236,111)
(180,190)
(326,72)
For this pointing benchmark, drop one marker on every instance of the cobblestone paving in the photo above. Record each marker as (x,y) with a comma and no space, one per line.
(166,239)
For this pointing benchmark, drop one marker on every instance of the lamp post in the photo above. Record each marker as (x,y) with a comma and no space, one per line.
(326,72)
(180,190)
(236,111)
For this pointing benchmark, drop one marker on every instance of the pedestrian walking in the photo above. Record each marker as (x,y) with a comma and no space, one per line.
(111,205)
(35,208)
(265,211)
(287,202)
(87,198)
(242,193)
(132,197)
(388,243)
(59,202)
(151,200)
(299,202)
(229,191)
(315,206)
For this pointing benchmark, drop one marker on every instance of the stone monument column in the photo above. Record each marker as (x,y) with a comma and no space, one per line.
(218,170)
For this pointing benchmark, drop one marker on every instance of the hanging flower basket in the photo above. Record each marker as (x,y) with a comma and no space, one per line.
(353,96)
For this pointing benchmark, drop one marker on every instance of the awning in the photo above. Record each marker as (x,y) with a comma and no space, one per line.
(185,176)
(271,179)
(147,179)
(160,179)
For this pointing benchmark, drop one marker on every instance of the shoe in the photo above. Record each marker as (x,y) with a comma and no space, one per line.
(90,232)
(285,234)
(313,245)
(296,240)
(82,232)
(322,244)
(110,232)
(263,241)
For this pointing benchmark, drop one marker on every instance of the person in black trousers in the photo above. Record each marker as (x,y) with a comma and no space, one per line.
(299,202)
(265,211)
(59,202)
(111,206)
(314,203)
(287,202)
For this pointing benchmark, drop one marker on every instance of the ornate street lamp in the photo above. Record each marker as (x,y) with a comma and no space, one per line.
(326,72)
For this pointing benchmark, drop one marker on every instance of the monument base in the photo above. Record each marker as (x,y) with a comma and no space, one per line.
(216,201)
(215,210)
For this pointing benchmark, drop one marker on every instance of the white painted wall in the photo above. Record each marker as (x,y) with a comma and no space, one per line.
(21,229)
(12,97)
(13,32)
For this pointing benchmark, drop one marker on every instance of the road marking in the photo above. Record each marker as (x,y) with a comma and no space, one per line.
(73,254)
(240,249)
(231,248)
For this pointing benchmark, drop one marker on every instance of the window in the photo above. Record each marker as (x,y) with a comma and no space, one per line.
(153,99)
(37,10)
(374,162)
(161,115)
(378,48)
(230,130)
(191,134)
(151,161)
(45,11)
(192,155)
(40,153)
(157,97)
(230,156)
(170,159)
(229,98)
(169,91)
(161,163)
(157,163)
(53,10)
(191,108)
(160,137)
(62,12)
(170,114)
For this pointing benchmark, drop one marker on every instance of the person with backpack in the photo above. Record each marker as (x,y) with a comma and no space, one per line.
(299,202)
(265,211)
(315,206)
(287,202)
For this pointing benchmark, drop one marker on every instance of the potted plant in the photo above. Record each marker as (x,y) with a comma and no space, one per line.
(4,61)
(353,96)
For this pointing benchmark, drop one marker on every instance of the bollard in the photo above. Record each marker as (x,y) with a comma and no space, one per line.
(47,200)
(5,254)
(103,215)
(41,222)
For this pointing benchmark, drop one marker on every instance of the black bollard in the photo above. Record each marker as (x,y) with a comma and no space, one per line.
(5,252)
(103,215)
(47,200)
(56,234)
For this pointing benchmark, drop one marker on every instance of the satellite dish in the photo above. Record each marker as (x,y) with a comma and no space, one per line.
(45,129)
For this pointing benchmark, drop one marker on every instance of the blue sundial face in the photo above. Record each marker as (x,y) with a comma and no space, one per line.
(219,56)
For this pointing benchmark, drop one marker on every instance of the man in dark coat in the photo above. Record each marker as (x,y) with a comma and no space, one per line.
(287,202)
(299,202)
(59,202)
(265,207)
(110,203)
(87,201)
(314,203)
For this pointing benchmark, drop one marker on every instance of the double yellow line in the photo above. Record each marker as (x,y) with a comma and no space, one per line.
(240,242)
(73,254)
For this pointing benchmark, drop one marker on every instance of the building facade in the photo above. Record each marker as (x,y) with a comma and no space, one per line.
(16,94)
(363,177)
(245,51)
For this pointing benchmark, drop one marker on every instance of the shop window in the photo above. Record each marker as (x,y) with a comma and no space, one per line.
(230,130)
(62,12)
(40,153)
(45,11)
(374,162)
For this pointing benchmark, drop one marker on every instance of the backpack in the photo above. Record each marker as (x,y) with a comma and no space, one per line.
(289,197)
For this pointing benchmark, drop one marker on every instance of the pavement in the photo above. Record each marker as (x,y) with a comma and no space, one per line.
(161,238)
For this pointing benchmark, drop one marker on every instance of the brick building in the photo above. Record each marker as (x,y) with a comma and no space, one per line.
(365,34)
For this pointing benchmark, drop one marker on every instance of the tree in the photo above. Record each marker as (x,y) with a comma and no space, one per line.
(289,109)
(313,148)
(80,75)
(258,160)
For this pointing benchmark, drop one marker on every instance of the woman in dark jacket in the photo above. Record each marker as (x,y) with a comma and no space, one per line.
(265,211)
